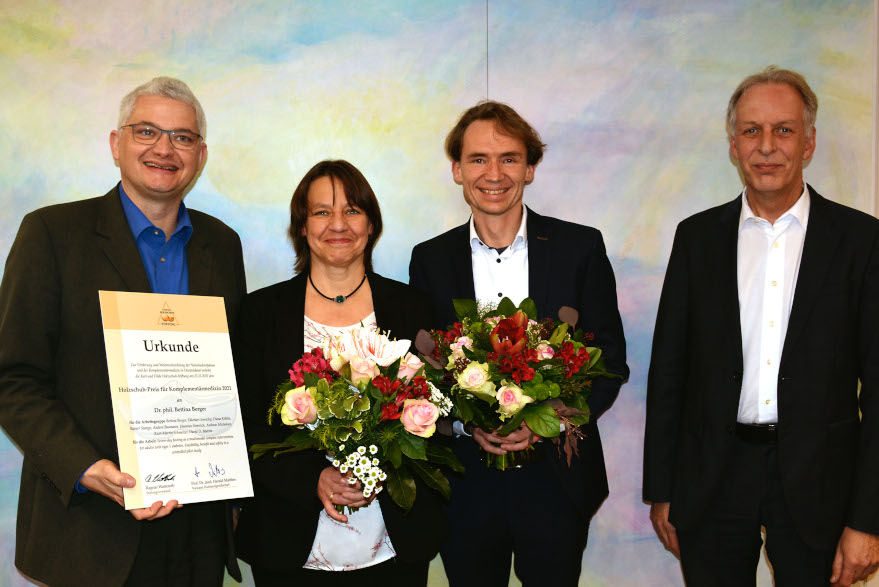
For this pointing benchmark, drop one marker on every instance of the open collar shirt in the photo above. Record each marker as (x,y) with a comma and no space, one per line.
(164,261)
(498,275)
(768,263)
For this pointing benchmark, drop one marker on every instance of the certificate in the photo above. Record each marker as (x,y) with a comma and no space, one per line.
(175,400)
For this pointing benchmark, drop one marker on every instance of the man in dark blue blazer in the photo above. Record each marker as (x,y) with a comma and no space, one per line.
(540,512)
(767,323)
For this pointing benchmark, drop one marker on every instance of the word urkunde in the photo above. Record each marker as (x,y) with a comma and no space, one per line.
(159,345)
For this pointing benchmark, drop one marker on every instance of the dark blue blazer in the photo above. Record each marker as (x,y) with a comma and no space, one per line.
(826,451)
(567,266)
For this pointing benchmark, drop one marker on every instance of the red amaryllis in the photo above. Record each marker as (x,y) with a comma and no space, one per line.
(508,337)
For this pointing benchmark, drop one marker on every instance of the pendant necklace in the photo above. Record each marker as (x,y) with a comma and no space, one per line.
(337,299)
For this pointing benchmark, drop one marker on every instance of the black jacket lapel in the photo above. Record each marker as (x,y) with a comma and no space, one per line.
(539,258)
(118,243)
(822,237)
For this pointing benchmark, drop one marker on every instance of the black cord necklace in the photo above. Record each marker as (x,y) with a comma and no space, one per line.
(337,299)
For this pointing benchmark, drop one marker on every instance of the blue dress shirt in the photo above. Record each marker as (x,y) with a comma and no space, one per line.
(164,261)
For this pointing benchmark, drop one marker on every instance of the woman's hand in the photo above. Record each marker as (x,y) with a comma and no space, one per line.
(333,489)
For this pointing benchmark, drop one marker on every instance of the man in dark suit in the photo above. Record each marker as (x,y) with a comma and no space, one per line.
(767,322)
(541,511)
(55,402)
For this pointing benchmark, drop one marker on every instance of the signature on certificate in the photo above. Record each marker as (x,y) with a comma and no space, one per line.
(156,477)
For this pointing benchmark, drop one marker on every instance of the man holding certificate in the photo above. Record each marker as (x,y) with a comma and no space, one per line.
(55,400)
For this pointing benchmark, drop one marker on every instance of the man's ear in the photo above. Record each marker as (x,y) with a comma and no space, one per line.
(114,145)
(456,172)
(810,145)
(529,174)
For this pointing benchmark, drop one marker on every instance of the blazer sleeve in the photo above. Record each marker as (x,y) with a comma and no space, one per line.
(864,509)
(31,412)
(601,313)
(290,477)
(666,379)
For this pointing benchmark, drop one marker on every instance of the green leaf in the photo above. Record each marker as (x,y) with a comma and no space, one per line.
(412,446)
(512,424)
(432,477)
(394,454)
(401,487)
(464,308)
(443,455)
(392,370)
(558,335)
(466,411)
(529,307)
(506,307)
(542,420)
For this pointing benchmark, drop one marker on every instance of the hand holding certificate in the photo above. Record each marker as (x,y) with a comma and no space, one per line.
(175,401)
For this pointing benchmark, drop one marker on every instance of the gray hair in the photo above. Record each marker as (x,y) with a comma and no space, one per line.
(164,87)
(775,75)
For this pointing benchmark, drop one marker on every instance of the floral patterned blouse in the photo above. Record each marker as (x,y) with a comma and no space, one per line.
(364,540)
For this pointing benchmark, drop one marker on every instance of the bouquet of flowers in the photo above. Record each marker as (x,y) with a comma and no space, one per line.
(367,404)
(502,368)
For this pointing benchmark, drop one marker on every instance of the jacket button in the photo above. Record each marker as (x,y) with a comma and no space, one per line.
(737,377)
(731,429)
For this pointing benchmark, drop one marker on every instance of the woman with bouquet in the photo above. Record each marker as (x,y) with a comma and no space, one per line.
(291,532)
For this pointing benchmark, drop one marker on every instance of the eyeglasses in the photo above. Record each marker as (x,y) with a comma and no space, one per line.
(149,135)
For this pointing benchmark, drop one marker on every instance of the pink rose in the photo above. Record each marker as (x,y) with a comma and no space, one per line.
(298,408)
(544,351)
(361,367)
(511,399)
(409,366)
(419,417)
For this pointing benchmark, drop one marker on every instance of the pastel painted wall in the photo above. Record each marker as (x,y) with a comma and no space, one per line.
(628,95)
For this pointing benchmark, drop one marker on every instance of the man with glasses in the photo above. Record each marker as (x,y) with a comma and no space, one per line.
(55,401)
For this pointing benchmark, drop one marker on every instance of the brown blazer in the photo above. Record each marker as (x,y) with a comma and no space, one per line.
(54,390)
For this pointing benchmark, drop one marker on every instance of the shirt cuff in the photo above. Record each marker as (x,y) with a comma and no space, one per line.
(458,428)
(79,488)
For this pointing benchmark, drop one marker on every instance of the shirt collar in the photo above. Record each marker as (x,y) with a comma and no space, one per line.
(799,211)
(519,241)
(138,222)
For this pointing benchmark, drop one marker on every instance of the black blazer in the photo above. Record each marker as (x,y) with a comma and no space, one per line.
(277,527)
(567,266)
(54,390)
(826,453)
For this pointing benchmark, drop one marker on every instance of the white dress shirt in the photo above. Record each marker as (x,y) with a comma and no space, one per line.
(500,275)
(768,263)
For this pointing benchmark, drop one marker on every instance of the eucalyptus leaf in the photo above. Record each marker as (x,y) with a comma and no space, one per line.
(401,487)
